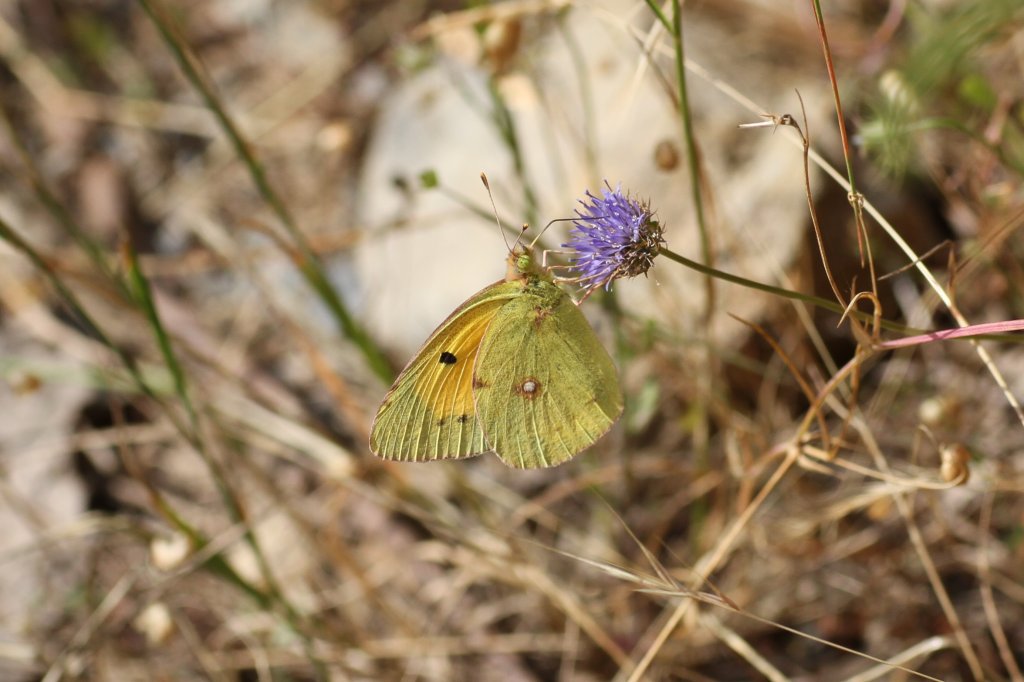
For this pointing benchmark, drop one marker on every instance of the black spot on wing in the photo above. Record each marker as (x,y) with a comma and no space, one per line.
(447,358)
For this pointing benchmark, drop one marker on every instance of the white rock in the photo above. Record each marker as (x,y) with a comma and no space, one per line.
(410,278)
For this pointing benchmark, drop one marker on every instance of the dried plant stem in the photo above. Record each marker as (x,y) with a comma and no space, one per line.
(995,625)
(88,628)
(805,387)
(834,82)
(805,137)
(819,161)
(141,291)
(885,668)
(914,533)
(886,226)
(48,198)
(142,297)
(854,196)
(939,290)
(743,648)
(710,562)
(309,264)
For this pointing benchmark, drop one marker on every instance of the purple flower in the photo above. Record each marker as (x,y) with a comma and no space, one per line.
(614,236)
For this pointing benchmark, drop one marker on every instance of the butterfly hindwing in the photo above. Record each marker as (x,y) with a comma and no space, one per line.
(429,413)
(545,387)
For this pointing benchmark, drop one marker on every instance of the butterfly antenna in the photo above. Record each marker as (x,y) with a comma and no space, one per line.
(494,209)
(545,228)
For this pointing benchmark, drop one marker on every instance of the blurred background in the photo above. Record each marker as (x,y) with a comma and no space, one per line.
(226,225)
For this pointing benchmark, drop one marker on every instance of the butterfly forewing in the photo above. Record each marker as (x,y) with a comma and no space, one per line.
(545,387)
(429,413)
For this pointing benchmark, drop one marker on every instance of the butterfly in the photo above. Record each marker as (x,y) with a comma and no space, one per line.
(516,369)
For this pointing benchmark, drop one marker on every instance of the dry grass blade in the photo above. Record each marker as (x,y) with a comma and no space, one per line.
(916,539)
(742,647)
(216,221)
(1006,652)
(89,627)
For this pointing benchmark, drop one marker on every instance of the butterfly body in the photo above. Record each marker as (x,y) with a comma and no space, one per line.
(515,369)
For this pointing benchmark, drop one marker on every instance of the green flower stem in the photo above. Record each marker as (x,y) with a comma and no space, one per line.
(653,6)
(309,264)
(776,291)
(691,140)
(60,213)
(139,288)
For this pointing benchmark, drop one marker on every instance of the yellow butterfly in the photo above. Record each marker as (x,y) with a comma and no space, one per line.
(515,369)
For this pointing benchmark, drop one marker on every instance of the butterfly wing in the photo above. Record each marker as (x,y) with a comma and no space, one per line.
(429,412)
(545,387)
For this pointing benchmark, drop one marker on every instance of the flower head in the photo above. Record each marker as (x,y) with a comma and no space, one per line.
(614,236)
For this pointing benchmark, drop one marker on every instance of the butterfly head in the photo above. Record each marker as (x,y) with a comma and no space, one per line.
(521,264)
